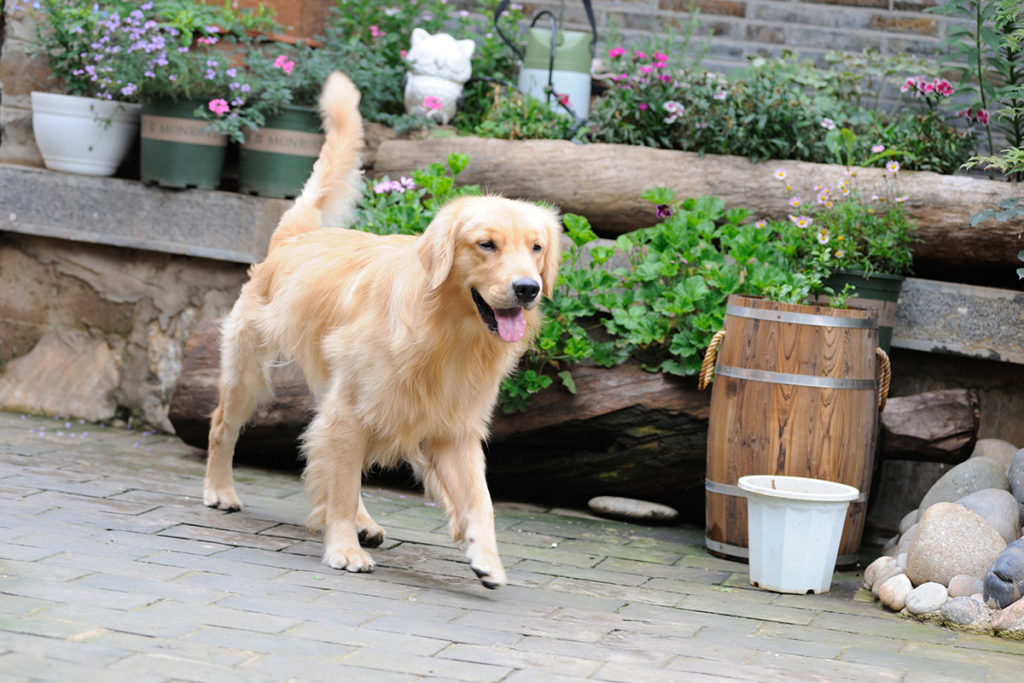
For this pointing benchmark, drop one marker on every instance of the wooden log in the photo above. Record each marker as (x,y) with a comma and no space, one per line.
(937,426)
(605,182)
(626,432)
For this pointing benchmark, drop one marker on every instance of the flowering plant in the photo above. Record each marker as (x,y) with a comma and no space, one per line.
(130,51)
(844,228)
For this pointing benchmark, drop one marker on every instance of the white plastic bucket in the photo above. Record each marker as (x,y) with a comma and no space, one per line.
(794,526)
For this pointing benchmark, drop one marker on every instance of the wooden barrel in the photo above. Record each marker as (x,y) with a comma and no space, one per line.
(797,391)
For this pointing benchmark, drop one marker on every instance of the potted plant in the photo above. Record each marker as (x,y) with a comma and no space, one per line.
(276,158)
(863,237)
(90,126)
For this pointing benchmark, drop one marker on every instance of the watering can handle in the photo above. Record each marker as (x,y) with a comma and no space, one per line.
(503,5)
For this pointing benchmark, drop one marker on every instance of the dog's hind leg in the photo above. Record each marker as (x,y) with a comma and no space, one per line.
(244,383)
(335,448)
(454,476)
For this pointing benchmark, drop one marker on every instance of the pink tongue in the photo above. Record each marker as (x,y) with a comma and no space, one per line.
(511,324)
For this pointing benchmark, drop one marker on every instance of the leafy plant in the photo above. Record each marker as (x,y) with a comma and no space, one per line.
(518,116)
(986,52)
(845,228)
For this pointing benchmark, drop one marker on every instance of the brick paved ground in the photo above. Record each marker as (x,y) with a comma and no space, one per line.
(111,569)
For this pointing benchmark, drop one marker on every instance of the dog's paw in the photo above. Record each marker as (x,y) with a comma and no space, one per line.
(371,537)
(351,560)
(222,499)
(488,569)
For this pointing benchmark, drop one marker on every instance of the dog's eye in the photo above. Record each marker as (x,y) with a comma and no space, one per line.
(487,245)
(537,249)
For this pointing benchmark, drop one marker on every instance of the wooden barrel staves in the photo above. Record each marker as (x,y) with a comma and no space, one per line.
(797,391)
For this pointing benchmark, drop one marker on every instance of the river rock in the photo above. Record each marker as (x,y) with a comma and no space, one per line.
(872,570)
(894,591)
(962,585)
(969,476)
(951,540)
(633,510)
(967,613)
(884,574)
(1004,582)
(1016,478)
(928,597)
(997,449)
(997,507)
(1009,621)
(909,520)
(905,540)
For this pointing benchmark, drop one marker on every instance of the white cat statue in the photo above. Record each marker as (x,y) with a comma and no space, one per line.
(438,68)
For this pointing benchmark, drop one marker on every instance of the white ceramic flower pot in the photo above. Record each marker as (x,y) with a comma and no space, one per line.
(83,134)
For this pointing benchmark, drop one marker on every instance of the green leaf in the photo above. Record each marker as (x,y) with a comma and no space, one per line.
(567,381)
(659,195)
(457,163)
(578,229)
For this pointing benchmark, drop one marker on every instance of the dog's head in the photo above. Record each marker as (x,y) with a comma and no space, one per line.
(501,254)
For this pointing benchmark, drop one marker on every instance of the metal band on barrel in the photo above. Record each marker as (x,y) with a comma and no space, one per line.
(799,318)
(794,379)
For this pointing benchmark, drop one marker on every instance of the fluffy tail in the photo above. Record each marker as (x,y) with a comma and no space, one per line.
(335,185)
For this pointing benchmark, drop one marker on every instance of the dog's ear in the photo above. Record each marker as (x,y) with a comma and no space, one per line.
(552,255)
(437,245)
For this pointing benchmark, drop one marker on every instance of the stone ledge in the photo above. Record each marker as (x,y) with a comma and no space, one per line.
(125,213)
(939,317)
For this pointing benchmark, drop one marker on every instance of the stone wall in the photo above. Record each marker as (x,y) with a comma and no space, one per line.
(94,331)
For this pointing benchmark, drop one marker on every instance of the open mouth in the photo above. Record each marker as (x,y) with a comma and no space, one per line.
(508,323)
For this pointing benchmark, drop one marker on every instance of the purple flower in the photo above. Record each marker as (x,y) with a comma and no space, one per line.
(663,211)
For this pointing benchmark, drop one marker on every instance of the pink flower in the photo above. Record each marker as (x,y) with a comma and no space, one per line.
(284,64)
(219,107)
(563,99)
(893,167)
(402,53)
(982,117)
(616,52)
(432,102)
(660,57)
(646,69)
(375,31)
(943,87)
(642,106)
(877,149)
(639,54)
(828,124)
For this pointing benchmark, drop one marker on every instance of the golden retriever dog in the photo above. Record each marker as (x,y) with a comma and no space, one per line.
(403,341)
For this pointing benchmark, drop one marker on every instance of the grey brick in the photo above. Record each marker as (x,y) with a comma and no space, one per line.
(455,633)
(425,666)
(522,659)
(358,636)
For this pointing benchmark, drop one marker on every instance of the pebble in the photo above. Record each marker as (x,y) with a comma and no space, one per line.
(999,508)
(872,570)
(928,597)
(633,510)
(887,572)
(951,540)
(1004,582)
(969,476)
(1009,622)
(997,449)
(894,591)
(967,613)
(1016,478)
(962,585)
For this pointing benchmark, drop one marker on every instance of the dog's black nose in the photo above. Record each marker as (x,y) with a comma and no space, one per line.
(526,290)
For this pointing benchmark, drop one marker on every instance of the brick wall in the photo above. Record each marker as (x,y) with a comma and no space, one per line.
(743,28)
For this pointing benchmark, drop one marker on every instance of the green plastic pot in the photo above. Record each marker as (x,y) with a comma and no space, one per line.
(176,149)
(877,291)
(277,159)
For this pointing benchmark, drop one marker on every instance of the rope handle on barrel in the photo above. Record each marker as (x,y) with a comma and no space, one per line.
(884,377)
(707,368)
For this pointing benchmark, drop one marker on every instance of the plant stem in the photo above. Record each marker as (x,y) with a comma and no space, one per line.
(979,65)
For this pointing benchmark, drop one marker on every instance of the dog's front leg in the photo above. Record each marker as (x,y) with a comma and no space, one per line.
(335,449)
(455,477)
